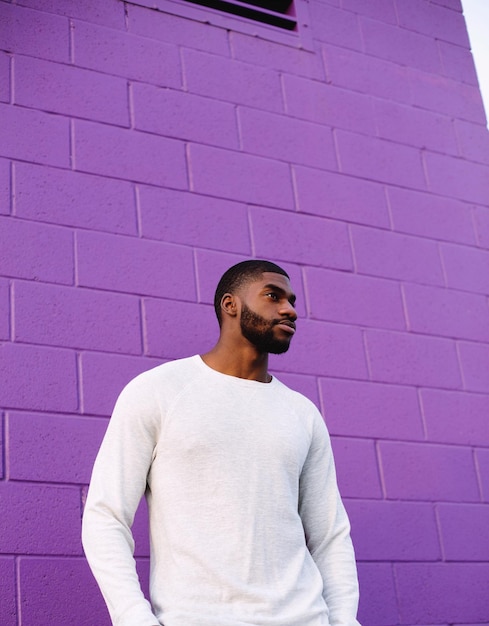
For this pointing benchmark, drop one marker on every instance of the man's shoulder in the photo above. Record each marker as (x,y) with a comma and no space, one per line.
(170,370)
(154,388)
(295,398)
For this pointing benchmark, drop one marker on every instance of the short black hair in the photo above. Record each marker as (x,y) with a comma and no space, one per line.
(239,274)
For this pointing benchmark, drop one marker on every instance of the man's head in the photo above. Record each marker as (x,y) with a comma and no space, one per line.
(256,294)
(238,275)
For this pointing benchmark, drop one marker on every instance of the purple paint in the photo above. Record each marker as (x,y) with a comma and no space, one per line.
(143,152)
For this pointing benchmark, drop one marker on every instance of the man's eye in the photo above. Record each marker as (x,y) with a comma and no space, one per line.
(272,295)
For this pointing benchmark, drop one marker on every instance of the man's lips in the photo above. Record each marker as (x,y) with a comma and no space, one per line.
(286,325)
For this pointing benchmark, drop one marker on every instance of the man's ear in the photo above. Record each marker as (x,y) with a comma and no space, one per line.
(229,304)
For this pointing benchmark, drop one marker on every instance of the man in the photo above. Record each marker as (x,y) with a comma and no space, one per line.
(246,524)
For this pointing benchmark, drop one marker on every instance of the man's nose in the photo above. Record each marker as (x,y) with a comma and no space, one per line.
(289,310)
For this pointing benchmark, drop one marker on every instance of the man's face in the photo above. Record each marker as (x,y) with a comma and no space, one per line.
(267,313)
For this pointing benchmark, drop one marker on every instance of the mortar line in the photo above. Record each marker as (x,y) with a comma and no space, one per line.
(72,145)
(17,591)
(12,79)
(71,41)
(79,383)
(196,275)
(380,469)
(12,199)
(478,474)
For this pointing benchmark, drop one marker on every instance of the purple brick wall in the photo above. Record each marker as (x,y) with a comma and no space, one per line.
(144,151)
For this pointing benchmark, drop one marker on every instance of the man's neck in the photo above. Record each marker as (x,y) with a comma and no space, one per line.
(246,364)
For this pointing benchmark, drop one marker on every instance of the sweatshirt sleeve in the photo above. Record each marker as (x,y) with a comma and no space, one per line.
(327,529)
(117,485)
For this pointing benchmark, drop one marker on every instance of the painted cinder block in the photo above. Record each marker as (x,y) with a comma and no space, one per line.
(34,33)
(110,13)
(335,296)
(53,587)
(31,512)
(474,361)
(392,255)
(438,593)
(76,318)
(196,332)
(130,155)
(335,195)
(464,530)
(337,349)
(300,238)
(365,409)
(70,91)
(466,268)
(38,378)
(231,81)
(446,312)
(427,215)
(422,471)
(103,377)
(194,220)
(433,20)
(378,603)
(409,359)
(455,417)
(32,438)
(383,10)
(123,54)
(36,251)
(379,159)
(482,462)
(178,114)
(210,266)
(399,45)
(5,187)
(369,75)
(415,127)
(2,463)
(285,139)
(134,265)
(177,30)
(4,77)
(334,3)
(325,104)
(446,96)
(457,62)
(455,5)
(394,531)
(8,607)
(241,177)
(481,221)
(4,309)
(335,26)
(473,141)
(73,199)
(275,56)
(457,177)
(356,468)
(29,135)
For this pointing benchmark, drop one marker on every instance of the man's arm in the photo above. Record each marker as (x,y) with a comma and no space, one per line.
(117,485)
(327,529)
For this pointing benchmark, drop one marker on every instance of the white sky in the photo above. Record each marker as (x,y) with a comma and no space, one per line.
(476,14)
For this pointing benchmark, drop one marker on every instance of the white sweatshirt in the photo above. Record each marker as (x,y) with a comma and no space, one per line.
(246,523)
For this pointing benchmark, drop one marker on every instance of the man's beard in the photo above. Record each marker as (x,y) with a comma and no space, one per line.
(259,332)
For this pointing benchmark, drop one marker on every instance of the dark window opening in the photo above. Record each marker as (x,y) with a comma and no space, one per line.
(274,12)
